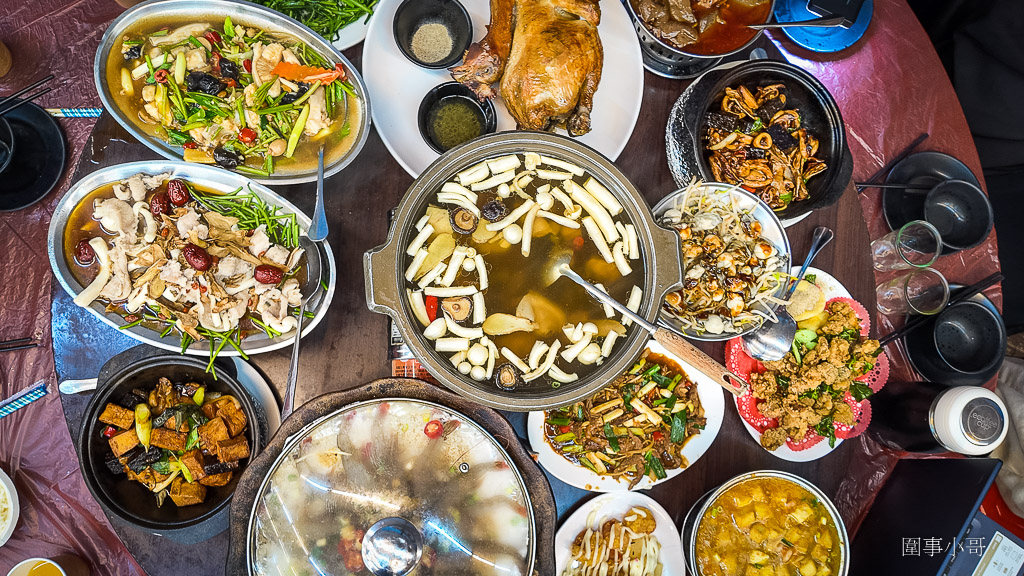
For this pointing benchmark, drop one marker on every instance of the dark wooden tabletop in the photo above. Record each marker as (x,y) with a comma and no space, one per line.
(349,348)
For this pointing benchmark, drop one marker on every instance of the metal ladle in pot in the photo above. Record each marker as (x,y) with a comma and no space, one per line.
(672,341)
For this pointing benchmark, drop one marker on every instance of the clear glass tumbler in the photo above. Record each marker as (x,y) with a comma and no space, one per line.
(915,245)
(918,292)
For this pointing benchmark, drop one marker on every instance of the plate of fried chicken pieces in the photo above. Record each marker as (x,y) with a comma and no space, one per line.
(569,66)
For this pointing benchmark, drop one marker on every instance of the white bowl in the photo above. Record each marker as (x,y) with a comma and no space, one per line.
(9,493)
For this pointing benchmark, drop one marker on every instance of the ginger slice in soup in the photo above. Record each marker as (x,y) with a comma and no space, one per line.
(547,316)
(439,218)
(501,324)
(440,249)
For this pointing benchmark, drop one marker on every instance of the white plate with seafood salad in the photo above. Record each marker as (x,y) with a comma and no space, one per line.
(189,258)
(735,254)
(397,85)
(598,459)
(653,552)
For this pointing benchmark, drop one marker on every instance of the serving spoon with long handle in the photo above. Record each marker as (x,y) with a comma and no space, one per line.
(825,22)
(773,341)
(672,342)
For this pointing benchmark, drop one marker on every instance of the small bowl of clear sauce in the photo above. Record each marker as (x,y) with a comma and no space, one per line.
(433,33)
(450,114)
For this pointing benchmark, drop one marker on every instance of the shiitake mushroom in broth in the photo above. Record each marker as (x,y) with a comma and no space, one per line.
(479,271)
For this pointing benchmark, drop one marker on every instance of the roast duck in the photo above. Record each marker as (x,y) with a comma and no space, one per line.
(547,56)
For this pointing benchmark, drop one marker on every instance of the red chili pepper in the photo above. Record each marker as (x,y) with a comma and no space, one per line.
(190,145)
(564,429)
(433,429)
(577,243)
(341,68)
(747,188)
(215,60)
(212,36)
(247,135)
(247,64)
(229,82)
(657,436)
(160,76)
(431,304)
(109,432)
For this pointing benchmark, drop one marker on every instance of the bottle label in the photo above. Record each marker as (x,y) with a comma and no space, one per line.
(982,421)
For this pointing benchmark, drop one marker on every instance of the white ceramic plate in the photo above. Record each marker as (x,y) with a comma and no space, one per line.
(711,398)
(7,489)
(397,85)
(258,386)
(616,506)
(353,34)
(832,289)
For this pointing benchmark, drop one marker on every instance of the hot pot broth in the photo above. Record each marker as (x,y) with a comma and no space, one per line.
(341,112)
(555,309)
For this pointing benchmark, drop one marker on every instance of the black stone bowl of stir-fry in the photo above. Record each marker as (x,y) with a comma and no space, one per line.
(232,84)
(750,123)
(181,514)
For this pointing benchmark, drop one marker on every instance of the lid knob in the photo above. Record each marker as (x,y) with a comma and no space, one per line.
(392,547)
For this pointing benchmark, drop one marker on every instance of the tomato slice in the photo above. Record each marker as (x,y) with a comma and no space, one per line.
(433,429)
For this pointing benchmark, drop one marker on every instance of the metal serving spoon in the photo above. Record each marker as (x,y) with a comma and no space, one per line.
(825,22)
(773,341)
(672,341)
(318,227)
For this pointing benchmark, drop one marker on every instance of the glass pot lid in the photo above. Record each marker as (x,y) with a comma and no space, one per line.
(392,487)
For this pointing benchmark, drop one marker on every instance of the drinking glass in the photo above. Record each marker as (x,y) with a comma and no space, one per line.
(915,245)
(922,291)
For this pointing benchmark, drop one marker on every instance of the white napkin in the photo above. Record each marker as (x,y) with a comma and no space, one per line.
(1011,477)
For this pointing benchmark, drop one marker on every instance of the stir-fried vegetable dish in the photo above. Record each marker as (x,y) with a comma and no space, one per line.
(758,140)
(807,390)
(325,17)
(635,427)
(768,526)
(731,271)
(187,262)
(239,97)
(613,547)
(176,439)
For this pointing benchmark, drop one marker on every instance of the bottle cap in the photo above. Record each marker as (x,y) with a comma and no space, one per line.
(970,420)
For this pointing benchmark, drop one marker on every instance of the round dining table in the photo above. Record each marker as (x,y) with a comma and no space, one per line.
(890,87)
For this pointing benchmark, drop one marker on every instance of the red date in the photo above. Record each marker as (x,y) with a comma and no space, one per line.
(159,204)
(84,254)
(197,257)
(177,192)
(266,274)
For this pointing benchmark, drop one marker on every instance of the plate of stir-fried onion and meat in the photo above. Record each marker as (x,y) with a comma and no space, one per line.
(646,427)
(189,258)
(619,535)
(735,255)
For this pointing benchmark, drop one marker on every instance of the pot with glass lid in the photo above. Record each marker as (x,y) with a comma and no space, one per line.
(397,477)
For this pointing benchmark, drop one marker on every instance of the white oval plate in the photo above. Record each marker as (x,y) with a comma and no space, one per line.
(354,33)
(397,85)
(711,398)
(616,506)
(832,289)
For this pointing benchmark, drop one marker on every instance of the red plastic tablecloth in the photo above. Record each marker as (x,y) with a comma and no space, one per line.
(890,87)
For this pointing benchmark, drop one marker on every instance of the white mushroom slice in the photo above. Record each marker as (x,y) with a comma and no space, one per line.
(536,354)
(512,217)
(477,354)
(479,308)
(622,233)
(493,181)
(142,209)
(572,351)
(430,276)
(553,175)
(469,264)
(532,160)
(92,291)
(504,164)
(608,310)
(567,166)
(544,188)
(531,216)
(451,344)
(559,375)
(545,200)
(603,195)
(609,343)
(473,174)
(634,242)
(436,329)
(422,221)
(456,188)
(500,324)
(462,331)
(595,209)
(549,361)
(454,265)
(417,261)
(522,180)
(562,197)
(116,216)
(458,358)
(595,234)
(481,270)
(562,220)
(620,259)
(419,308)
(464,368)
(570,332)
(590,355)
(633,303)
(458,200)
(492,357)
(513,234)
(420,238)
(478,373)
(121,192)
(515,360)
(504,191)
(137,298)
(445,292)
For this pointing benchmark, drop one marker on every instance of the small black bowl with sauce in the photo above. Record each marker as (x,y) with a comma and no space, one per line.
(450,114)
(433,33)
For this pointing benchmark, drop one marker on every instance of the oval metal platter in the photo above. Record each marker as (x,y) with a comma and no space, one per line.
(246,14)
(214,179)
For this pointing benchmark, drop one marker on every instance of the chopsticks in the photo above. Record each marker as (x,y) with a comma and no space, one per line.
(961,295)
(18,344)
(889,165)
(27,99)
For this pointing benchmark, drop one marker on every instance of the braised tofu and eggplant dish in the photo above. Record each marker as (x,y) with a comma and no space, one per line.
(768,526)
(758,140)
(706,27)
(237,96)
(176,439)
(635,427)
